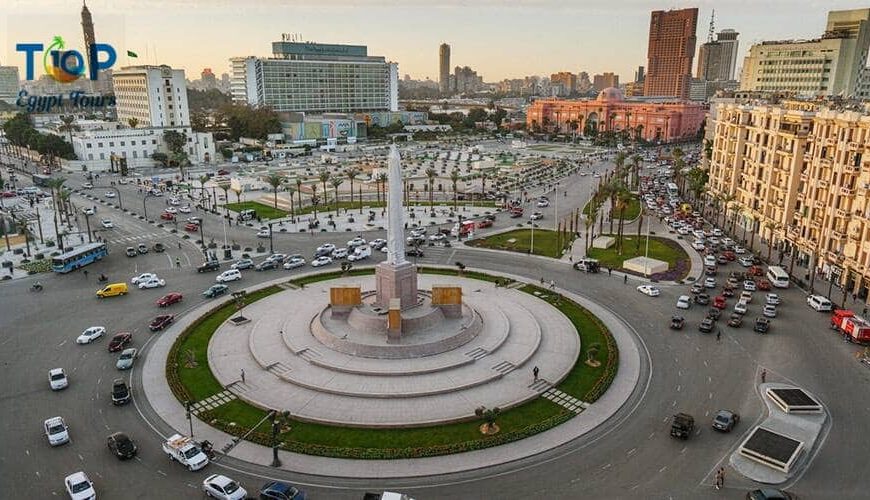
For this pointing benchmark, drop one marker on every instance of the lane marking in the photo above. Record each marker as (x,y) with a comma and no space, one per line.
(663,469)
(679,387)
(631,451)
(606,467)
(161,473)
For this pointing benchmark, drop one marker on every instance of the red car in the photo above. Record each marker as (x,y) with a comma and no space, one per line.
(223,172)
(190,226)
(167,216)
(169,299)
(756,271)
(161,322)
(719,302)
(484,223)
(730,255)
(120,341)
(9,194)
(764,285)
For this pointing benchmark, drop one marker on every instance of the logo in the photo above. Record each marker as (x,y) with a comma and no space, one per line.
(66,65)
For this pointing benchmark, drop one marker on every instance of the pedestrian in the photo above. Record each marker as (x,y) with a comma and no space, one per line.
(763,375)
(718,335)
(864,312)
(81,239)
(535,372)
(243,375)
(721,478)
(85,272)
(542,281)
(177,262)
(571,258)
(610,271)
(624,279)
(552,284)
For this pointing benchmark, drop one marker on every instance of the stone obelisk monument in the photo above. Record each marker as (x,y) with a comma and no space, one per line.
(396,277)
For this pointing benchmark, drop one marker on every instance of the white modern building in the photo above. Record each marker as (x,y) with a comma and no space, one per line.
(95,148)
(316,78)
(9,85)
(155,95)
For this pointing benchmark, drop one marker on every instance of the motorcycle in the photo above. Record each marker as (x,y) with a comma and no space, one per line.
(36,287)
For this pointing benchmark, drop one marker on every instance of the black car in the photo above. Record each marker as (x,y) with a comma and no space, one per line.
(215,290)
(276,490)
(725,420)
(121,445)
(710,271)
(728,291)
(414,252)
(266,265)
(211,265)
(682,425)
(702,299)
(677,322)
(159,247)
(706,325)
(131,252)
(768,494)
(714,313)
(120,392)
(762,325)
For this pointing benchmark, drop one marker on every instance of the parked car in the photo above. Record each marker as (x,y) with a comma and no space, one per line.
(215,291)
(768,494)
(650,290)
(735,320)
(56,431)
(79,486)
(719,302)
(749,285)
(266,265)
(167,216)
(677,322)
(706,325)
(772,299)
(414,252)
(158,247)
(683,302)
(222,487)
(714,313)
(293,262)
(57,379)
(763,285)
(130,252)
(762,325)
(819,303)
(725,420)
(740,307)
(696,288)
(321,261)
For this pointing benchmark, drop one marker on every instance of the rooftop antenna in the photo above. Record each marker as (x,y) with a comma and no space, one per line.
(712,29)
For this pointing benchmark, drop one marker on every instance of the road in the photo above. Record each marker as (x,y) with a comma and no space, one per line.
(632,456)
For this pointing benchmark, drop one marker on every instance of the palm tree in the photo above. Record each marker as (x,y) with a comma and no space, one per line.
(314,199)
(238,191)
(351,174)
(324,178)
(381,183)
(454,178)
(68,126)
(430,174)
(771,227)
(483,178)
(726,204)
(589,221)
(226,188)
(133,122)
(290,189)
(204,195)
(54,185)
(299,190)
(275,180)
(336,181)
(635,162)
(64,198)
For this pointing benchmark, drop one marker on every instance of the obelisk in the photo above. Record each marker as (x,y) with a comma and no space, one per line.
(396,277)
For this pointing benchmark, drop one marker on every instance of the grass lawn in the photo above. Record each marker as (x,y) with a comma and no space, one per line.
(659,248)
(237,417)
(546,242)
(632,210)
(263,210)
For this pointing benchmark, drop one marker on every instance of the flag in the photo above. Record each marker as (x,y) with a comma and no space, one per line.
(130,53)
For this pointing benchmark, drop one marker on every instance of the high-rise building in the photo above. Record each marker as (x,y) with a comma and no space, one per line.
(316,78)
(567,80)
(718,58)
(583,82)
(90,39)
(9,84)
(670,52)
(830,65)
(207,79)
(155,95)
(605,81)
(444,68)
(639,75)
(467,80)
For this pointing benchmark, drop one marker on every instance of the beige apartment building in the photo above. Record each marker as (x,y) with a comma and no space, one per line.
(798,176)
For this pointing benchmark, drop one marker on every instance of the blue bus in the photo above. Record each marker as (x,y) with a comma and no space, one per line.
(79,257)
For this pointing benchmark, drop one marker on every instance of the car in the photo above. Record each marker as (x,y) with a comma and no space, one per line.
(152,283)
(57,379)
(740,307)
(159,247)
(768,311)
(339,253)
(677,322)
(142,277)
(79,486)
(324,249)
(417,232)
(698,245)
(174,202)
(109,194)
(727,291)
(169,299)
(682,426)
(714,313)
(650,290)
(710,271)
(739,250)
(277,490)
(749,285)
(772,299)
(360,253)
(161,322)
(223,171)
(717,232)
(119,341)
(171,210)
(721,260)
(121,445)
(185,209)
(91,334)
(719,302)
(191,227)
(710,283)
(683,230)
(725,420)
(266,265)
(437,237)
(277,258)
(819,303)
(706,325)
(745,296)
(356,242)
(321,261)
(702,299)
(729,255)
(106,223)
(167,216)
(215,291)
(735,320)
(263,233)
(209,265)
(88,211)
(194,220)
(764,285)
(87,185)
(536,216)
(131,252)
(242,264)
(484,224)
(710,260)
(294,262)
(120,392)
(218,486)
(142,248)
(414,252)
(228,275)
(762,325)
(683,302)
(125,360)
(378,243)
(156,192)
(696,288)
(768,494)
(745,261)
(543,203)
(56,431)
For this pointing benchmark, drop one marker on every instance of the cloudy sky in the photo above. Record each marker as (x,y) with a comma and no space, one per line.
(499,39)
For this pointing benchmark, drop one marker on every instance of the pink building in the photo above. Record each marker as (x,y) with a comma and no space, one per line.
(653,119)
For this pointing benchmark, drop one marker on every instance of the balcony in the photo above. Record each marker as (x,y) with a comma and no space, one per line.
(822,183)
(847,191)
(855,235)
(800,196)
(830,141)
(841,213)
(805,176)
(853,146)
(837,235)
(819,204)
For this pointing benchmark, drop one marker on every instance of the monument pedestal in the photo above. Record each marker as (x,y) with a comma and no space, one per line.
(396,281)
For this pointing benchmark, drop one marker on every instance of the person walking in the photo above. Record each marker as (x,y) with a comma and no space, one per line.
(552,284)
(718,334)
(242,373)
(177,262)
(624,279)
(721,483)
(85,273)
(763,375)
(610,271)
(535,372)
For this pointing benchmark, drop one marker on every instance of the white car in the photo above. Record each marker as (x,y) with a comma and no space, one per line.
(745,296)
(91,334)
(174,202)
(717,231)
(86,185)
(739,250)
(56,431)
(769,311)
(229,275)
(697,233)
(110,194)
(294,262)
(80,487)
(125,361)
(378,243)
(749,285)
(184,209)
(143,277)
(263,233)
(170,210)
(683,230)
(727,241)
(536,216)
(699,246)
(417,232)
(339,253)
(650,290)
(277,258)
(218,486)
(152,283)
(745,261)
(684,302)
(321,261)
(710,283)
(772,299)
(819,303)
(360,253)
(88,211)
(740,307)
(543,203)
(107,223)
(57,379)
(437,237)
(356,242)
(710,260)
(326,248)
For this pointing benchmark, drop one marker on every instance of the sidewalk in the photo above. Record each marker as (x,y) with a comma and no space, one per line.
(42,231)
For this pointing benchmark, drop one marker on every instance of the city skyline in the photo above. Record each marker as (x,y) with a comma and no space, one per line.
(532,38)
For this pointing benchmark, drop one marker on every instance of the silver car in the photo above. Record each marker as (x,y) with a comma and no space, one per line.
(125,361)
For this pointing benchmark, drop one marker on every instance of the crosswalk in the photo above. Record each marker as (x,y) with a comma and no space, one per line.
(138,238)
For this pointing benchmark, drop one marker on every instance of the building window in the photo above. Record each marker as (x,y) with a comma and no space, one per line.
(99,144)
(143,142)
(153,142)
(112,144)
(90,156)
(89,145)
(122,143)
(135,155)
(102,156)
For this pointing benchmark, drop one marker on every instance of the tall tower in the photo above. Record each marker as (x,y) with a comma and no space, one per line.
(444,68)
(88,29)
(671,51)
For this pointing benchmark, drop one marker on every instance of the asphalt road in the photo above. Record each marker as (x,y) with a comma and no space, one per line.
(631,457)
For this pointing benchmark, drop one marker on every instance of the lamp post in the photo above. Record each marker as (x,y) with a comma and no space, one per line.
(144,206)
(276,427)
(88,223)
(187,405)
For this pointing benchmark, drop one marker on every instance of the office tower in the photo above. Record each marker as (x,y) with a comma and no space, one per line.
(9,85)
(670,52)
(444,68)
(154,95)
(639,75)
(718,58)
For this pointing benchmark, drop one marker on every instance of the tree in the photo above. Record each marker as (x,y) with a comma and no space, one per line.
(336,181)
(162,158)
(381,183)
(275,180)
(430,174)
(238,191)
(225,186)
(351,174)
(454,178)
(635,162)
(314,199)
(324,177)
(299,191)
(68,125)
(460,267)
(488,415)
(133,122)
(175,142)
(290,189)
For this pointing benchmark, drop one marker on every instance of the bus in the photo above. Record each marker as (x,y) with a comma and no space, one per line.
(777,276)
(79,257)
(672,189)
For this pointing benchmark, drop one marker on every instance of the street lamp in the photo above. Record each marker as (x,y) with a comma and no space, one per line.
(277,417)
(88,223)
(145,207)
(187,405)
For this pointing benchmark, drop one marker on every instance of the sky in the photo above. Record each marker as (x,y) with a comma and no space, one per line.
(498,39)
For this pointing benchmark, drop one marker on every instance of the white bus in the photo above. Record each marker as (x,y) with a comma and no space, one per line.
(777,276)
(672,189)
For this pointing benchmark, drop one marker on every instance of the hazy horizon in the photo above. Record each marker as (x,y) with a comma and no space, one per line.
(531,37)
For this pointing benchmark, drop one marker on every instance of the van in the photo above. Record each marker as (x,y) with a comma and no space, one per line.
(248,214)
(112,290)
(819,303)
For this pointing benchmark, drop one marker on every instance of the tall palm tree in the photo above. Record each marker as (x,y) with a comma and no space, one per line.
(430,174)
(54,186)
(771,227)
(635,162)
(351,174)
(454,178)
(225,186)
(483,178)
(726,204)
(203,194)
(275,180)
(324,177)
(381,183)
(64,198)
(238,191)
(299,190)
(290,189)
(589,221)
(336,181)
(68,125)
(314,199)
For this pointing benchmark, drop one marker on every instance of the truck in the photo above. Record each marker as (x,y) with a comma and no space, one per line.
(185,451)
(387,495)
(516,212)
(856,327)
(682,425)
(462,229)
